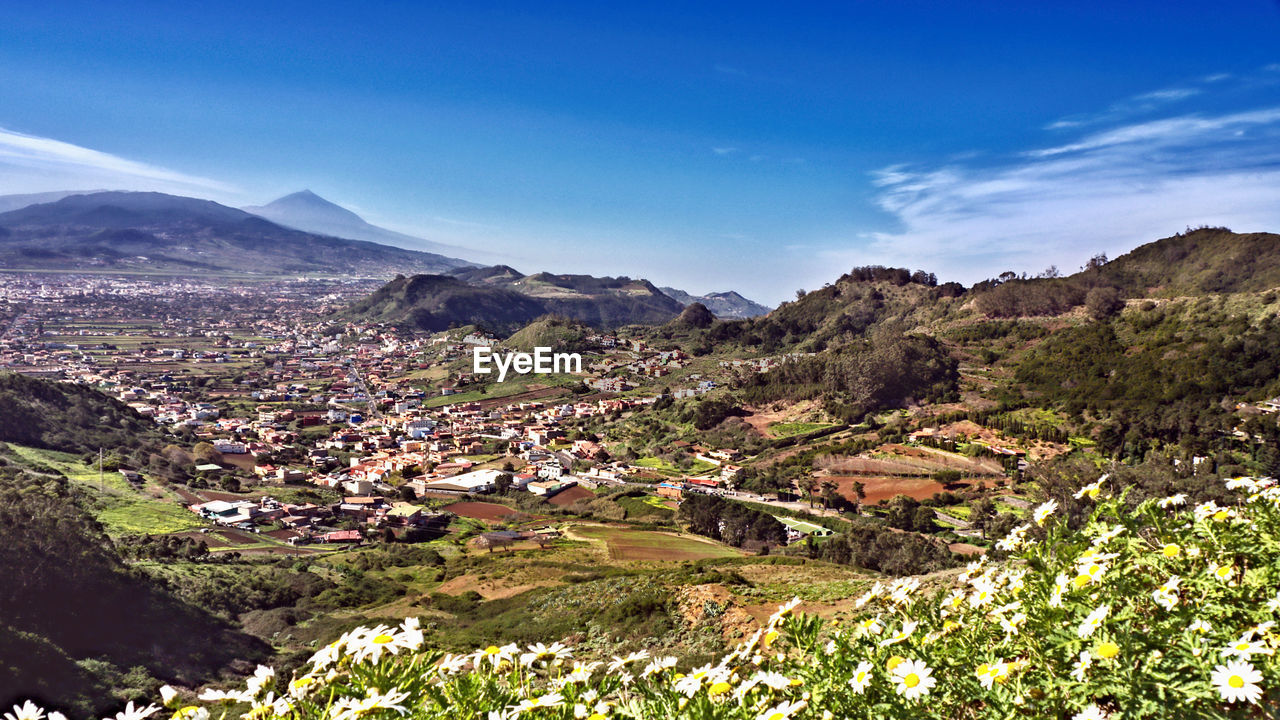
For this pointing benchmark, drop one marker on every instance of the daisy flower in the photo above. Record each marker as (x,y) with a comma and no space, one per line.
(1237,681)
(908,627)
(913,679)
(621,662)
(1092,489)
(1081,666)
(1091,712)
(1245,648)
(1043,512)
(1174,501)
(136,713)
(861,677)
(26,711)
(1093,621)
(782,711)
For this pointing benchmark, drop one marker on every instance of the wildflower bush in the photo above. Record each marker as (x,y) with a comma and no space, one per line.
(1160,611)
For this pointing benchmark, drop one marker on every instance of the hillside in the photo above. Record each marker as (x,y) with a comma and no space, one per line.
(559,334)
(1198,262)
(76,624)
(722,304)
(71,418)
(501,300)
(154,232)
(309,212)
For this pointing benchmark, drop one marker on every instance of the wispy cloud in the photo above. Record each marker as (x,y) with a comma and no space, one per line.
(1106,191)
(1136,105)
(724,150)
(29,163)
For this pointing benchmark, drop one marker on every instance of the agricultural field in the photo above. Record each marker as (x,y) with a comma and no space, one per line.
(627,544)
(123,509)
(791,429)
(665,468)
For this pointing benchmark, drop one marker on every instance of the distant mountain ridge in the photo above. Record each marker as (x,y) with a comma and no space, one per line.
(17,202)
(309,212)
(721,304)
(158,232)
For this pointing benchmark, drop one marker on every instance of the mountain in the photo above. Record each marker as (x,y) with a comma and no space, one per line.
(502,300)
(15,202)
(154,231)
(309,212)
(722,304)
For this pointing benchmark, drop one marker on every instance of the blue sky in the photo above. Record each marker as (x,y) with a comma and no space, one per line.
(754,146)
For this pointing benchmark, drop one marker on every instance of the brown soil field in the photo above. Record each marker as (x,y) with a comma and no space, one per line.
(570,496)
(213,540)
(883,488)
(965,549)
(489,512)
(237,537)
(244,461)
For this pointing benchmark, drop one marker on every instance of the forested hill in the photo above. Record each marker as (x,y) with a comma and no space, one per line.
(502,301)
(71,418)
(75,621)
(1199,262)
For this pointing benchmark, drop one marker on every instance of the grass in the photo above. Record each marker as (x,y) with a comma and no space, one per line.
(666,468)
(647,506)
(120,507)
(789,429)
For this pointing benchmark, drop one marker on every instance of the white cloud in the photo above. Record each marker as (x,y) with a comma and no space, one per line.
(724,150)
(29,163)
(1105,192)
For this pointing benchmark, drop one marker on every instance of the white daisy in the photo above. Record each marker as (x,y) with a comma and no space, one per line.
(861,677)
(913,679)
(26,711)
(1091,712)
(1237,681)
(1043,512)
(1093,621)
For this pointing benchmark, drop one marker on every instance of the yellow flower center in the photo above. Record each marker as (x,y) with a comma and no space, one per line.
(492,650)
(1223,572)
(894,662)
(1108,650)
(1171,550)
(1236,681)
(911,680)
(983,669)
(383,639)
(1220,515)
(861,677)
(1082,580)
(719,688)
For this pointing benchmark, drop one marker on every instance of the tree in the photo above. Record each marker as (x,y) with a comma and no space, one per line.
(859,492)
(809,485)
(204,453)
(1103,302)
(830,494)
